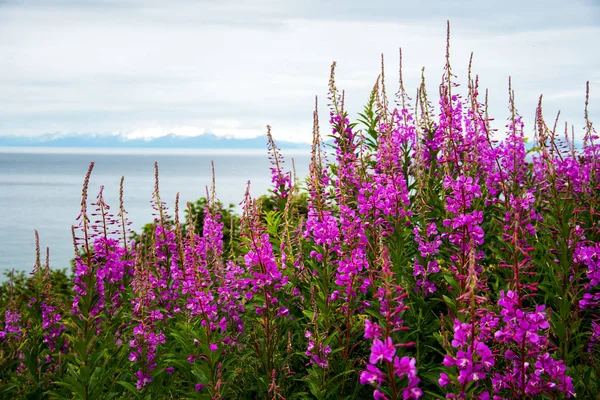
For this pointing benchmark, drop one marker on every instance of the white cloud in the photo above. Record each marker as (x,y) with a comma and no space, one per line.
(185,67)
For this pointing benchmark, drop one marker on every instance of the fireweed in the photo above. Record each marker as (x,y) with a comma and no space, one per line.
(429,256)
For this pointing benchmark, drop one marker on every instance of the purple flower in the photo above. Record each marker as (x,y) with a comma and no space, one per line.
(372,330)
(371,375)
(283,312)
(444,380)
(382,351)
(142,379)
(405,366)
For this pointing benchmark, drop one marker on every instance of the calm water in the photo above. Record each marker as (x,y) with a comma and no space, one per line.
(41,189)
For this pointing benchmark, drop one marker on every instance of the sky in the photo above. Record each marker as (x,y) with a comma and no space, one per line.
(146,68)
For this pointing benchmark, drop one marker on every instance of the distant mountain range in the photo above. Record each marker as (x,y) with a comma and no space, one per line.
(205,141)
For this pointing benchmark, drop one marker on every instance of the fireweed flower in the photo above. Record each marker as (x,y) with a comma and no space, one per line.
(142,379)
(108,264)
(266,277)
(524,333)
(390,299)
(83,268)
(352,257)
(384,193)
(82,272)
(470,355)
(451,123)
(477,151)
(12,328)
(144,346)
(197,282)
(372,375)
(391,305)
(114,264)
(147,335)
(405,367)
(382,351)
(282,181)
(510,155)
(473,358)
(464,230)
(323,229)
(168,276)
(229,295)
(52,325)
(429,247)
(372,330)
(317,353)
(346,146)
(589,257)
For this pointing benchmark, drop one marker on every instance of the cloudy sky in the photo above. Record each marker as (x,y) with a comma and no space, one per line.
(144,68)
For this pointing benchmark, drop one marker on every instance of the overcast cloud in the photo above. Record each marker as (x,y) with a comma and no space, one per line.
(147,68)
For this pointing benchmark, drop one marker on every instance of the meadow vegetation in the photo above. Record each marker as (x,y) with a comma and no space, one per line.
(426,255)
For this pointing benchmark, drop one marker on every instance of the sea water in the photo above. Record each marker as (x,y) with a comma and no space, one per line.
(40,188)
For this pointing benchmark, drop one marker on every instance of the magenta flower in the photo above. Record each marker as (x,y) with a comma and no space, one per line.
(371,375)
(372,330)
(444,380)
(382,351)
(405,366)
(142,379)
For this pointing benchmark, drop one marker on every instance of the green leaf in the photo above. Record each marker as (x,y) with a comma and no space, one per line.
(132,389)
